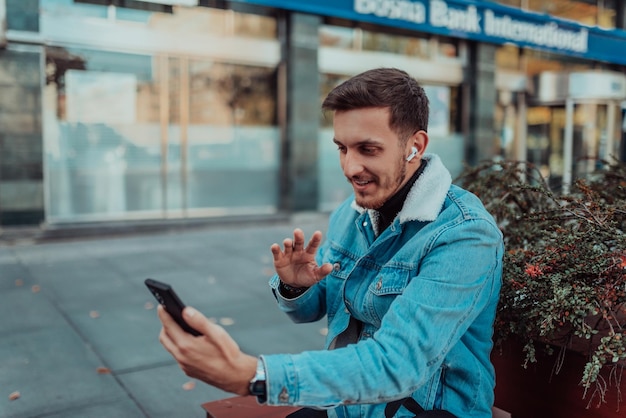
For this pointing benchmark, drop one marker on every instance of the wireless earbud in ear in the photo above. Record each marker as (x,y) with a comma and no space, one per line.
(412,154)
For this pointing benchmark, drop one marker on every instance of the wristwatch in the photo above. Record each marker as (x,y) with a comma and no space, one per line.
(257,386)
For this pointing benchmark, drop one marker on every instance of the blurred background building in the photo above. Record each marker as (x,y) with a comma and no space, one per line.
(126,111)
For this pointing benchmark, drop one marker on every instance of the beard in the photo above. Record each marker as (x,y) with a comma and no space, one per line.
(386,189)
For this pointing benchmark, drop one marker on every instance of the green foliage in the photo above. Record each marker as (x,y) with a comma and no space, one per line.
(564,272)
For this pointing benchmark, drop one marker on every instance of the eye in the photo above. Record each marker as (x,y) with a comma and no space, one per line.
(368,150)
(341,149)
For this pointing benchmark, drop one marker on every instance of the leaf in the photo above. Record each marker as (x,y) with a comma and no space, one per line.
(94,314)
(103,370)
(226,321)
(14,396)
(189,385)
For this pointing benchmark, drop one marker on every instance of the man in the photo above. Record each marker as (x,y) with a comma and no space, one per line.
(408,277)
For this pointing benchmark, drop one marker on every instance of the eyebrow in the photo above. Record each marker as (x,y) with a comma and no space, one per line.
(368,141)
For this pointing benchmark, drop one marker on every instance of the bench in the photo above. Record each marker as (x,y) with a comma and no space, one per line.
(245,407)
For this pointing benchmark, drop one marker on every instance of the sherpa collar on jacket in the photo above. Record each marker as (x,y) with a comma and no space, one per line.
(426,197)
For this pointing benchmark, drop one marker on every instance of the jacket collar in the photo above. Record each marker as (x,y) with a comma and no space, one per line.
(426,197)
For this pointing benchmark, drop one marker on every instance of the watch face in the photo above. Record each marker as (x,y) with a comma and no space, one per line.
(257,387)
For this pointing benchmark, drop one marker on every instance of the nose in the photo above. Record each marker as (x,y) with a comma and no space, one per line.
(351,164)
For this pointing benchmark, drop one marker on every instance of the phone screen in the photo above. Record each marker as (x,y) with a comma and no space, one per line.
(166,296)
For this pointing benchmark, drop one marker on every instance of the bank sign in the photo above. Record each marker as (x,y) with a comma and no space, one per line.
(474,20)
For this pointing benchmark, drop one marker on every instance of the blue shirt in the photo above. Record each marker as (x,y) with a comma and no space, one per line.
(426,289)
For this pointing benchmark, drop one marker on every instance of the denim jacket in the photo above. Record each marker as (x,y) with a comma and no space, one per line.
(426,289)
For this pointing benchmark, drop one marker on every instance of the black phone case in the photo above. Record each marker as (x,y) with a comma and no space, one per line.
(166,296)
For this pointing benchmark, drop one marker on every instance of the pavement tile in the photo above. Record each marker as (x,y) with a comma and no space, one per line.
(125,337)
(112,408)
(53,369)
(160,391)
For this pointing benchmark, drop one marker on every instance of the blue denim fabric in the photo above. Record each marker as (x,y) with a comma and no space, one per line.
(426,289)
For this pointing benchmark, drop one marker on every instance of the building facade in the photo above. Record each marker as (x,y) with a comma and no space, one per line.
(123,110)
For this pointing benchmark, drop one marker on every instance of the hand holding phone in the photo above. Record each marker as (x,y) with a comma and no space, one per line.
(166,296)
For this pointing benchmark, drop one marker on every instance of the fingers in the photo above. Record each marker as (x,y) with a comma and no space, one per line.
(298,240)
(314,243)
(288,246)
(297,243)
(324,271)
(196,320)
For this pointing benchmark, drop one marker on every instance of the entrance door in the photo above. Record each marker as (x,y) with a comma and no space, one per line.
(574,124)
(591,137)
(571,141)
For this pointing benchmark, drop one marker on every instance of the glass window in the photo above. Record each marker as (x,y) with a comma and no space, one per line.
(102,136)
(582,11)
(234,140)
(508,57)
(397,44)
(333,188)
(607,14)
(448,47)
(130,135)
(22,15)
(257,26)
(337,36)
(539,61)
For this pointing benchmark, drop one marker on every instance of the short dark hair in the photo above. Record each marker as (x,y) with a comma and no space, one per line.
(384,87)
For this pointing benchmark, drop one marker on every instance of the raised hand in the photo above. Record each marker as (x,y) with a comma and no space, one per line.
(295,264)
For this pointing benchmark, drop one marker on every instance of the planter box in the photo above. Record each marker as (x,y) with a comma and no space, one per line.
(537,392)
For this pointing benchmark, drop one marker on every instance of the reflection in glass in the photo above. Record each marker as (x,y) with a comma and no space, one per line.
(133,136)
(582,11)
(233,136)
(404,45)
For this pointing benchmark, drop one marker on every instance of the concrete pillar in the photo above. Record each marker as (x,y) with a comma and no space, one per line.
(21,138)
(3,24)
(620,15)
(482,102)
(303,111)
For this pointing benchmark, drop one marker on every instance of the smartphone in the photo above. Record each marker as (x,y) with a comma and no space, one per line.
(166,296)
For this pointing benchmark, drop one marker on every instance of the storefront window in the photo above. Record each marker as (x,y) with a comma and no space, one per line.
(588,12)
(333,188)
(607,14)
(337,37)
(508,58)
(538,61)
(159,134)
(403,45)
(371,40)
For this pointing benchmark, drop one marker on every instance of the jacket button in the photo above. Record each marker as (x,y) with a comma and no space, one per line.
(365,223)
(379,284)
(283,396)
(336,266)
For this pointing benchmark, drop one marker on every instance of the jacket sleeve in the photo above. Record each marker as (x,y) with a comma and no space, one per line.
(310,306)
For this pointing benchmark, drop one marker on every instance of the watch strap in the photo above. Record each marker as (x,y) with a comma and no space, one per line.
(257,386)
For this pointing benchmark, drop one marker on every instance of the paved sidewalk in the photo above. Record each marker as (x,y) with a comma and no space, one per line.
(79,333)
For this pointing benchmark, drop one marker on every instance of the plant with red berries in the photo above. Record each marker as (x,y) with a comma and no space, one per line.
(564,271)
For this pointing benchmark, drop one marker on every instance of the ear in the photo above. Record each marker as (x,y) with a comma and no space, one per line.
(419,140)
